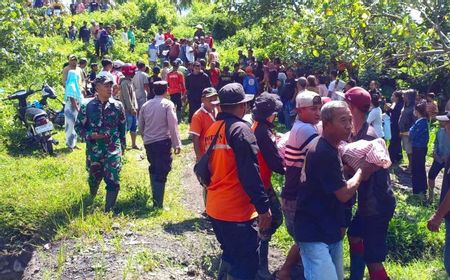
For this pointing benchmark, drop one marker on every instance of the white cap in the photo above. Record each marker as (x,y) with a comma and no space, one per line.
(444,118)
(199,26)
(118,64)
(307,98)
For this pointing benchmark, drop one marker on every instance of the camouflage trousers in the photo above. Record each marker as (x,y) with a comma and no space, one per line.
(106,167)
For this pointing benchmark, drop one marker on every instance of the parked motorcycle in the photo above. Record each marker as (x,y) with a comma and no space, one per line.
(56,116)
(39,127)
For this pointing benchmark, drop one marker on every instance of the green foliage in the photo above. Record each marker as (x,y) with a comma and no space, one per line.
(155,14)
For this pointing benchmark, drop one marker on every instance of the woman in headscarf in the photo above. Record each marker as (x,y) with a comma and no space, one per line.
(72,98)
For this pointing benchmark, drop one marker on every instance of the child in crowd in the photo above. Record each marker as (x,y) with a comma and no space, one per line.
(419,136)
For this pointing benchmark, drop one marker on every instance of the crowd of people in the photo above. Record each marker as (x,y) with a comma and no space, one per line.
(335,128)
(57,7)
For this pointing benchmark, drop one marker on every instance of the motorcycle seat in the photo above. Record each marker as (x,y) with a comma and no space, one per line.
(31,114)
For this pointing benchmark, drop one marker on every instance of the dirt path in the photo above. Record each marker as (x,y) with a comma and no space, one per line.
(185,250)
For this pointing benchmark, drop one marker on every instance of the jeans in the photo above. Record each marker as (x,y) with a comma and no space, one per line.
(322,261)
(287,108)
(70,116)
(419,175)
(131,122)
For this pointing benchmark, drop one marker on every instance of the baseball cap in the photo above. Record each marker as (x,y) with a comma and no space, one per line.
(232,94)
(208,92)
(307,98)
(179,61)
(444,118)
(266,104)
(118,64)
(358,97)
(72,57)
(199,26)
(103,80)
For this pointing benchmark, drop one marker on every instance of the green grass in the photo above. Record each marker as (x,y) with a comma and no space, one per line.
(43,197)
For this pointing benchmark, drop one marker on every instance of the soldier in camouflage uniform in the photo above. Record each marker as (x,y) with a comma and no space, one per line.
(102,123)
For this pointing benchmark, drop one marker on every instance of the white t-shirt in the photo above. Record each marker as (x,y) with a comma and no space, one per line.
(339,87)
(374,119)
(190,54)
(125,37)
(159,38)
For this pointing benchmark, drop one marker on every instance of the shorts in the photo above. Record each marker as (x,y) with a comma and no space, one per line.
(435,168)
(373,230)
(131,123)
(406,143)
(288,206)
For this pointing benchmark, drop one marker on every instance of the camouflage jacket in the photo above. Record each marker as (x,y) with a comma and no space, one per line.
(104,118)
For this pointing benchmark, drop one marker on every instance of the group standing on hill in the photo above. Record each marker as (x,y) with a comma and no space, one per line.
(335,156)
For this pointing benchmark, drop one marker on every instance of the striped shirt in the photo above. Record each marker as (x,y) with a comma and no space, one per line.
(294,156)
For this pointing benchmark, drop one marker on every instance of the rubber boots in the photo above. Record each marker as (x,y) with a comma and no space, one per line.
(158,193)
(111,198)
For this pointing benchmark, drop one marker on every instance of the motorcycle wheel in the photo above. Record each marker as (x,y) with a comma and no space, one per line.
(47,146)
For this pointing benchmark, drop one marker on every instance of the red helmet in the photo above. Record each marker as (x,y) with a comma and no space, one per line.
(128,69)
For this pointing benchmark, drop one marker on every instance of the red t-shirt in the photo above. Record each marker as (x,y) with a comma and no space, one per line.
(214,75)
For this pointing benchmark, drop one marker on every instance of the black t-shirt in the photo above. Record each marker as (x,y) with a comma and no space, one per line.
(288,90)
(93,6)
(238,78)
(225,79)
(195,84)
(375,196)
(320,214)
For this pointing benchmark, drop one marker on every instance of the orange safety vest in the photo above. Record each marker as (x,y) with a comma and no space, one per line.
(226,199)
(264,170)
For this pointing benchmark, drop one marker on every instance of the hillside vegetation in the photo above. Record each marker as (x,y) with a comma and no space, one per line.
(46,198)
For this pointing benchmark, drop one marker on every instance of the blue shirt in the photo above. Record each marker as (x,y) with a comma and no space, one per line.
(250,85)
(418,133)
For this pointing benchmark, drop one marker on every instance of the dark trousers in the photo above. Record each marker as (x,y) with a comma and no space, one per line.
(395,149)
(193,107)
(419,175)
(159,156)
(239,243)
(97,47)
(176,99)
